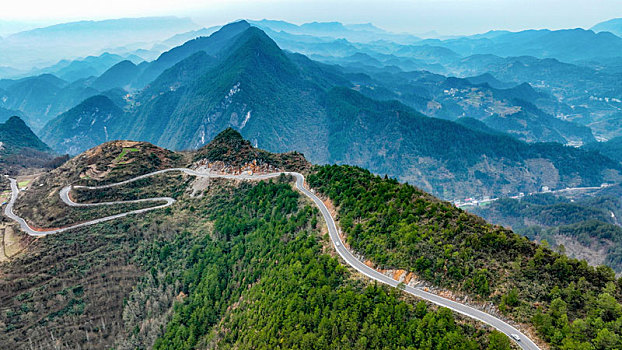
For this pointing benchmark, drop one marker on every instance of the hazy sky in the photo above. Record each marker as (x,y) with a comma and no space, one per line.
(415,16)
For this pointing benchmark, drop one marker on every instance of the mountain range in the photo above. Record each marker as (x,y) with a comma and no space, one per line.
(48,45)
(516,109)
(563,108)
(567,45)
(41,98)
(231,180)
(578,70)
(283,102)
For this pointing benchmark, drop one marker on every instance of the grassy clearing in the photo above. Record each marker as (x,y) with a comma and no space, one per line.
(124,152)
(23,184)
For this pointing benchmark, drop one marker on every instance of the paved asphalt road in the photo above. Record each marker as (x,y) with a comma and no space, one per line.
(524,343)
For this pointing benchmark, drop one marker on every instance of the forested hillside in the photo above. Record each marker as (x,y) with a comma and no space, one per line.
(85,124)
(231,265)
(611,148)
(570,304)
(240,264)
(445,158)
(264,280)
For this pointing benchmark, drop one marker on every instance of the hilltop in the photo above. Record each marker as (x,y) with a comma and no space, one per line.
(230,150)
(117,161)
(109,162)
(16,136)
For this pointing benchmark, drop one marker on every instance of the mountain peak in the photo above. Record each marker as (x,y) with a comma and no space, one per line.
(256,35)
(230,137)
(234,27)
(227,146)
(213,45)
(233,151)
(240,22)
(15,121)
(255,51)
(16,135)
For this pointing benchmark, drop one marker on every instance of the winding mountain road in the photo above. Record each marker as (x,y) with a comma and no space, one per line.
(524,342)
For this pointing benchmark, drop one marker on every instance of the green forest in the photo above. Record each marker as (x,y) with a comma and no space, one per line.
(262,280)
(244,265)
(570,304)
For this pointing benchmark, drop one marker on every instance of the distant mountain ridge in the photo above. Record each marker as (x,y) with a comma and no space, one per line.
(555,61)
(5,114)
(47,45)
(42,97)
(212,45)
(567,44)
(549,122)
(21,148)
(515,109)
(354,32)
(284,102)
(80,68)
(613,26)
(78,125)
(120,75)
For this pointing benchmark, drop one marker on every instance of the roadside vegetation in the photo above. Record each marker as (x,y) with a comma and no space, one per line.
(261,280)
(242,266)
(570,304)
(229,265)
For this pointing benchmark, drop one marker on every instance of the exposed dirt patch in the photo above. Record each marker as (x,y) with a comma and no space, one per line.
(199,185)
(12,242)
(594,256)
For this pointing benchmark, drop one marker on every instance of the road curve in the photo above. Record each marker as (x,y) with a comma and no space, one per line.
(64,194)
(348,257)
(524,343)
